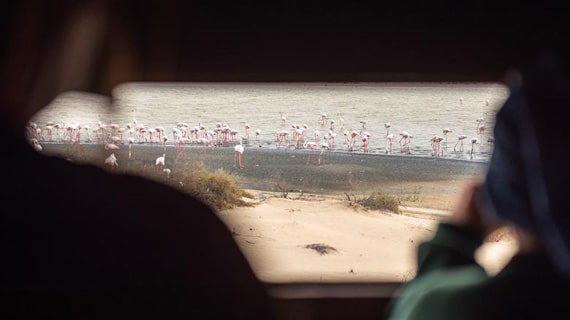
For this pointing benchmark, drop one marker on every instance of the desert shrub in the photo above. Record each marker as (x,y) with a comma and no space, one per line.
(216,188)
(380,201)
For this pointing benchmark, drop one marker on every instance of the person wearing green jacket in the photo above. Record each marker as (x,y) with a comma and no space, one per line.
(524,188)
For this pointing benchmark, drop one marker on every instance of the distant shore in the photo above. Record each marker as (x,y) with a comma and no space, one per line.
(432,182)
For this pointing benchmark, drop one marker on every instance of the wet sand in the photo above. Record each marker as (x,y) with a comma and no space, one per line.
(299,205)
(421,181)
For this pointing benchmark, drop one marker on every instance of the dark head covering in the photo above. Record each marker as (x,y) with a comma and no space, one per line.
(529,171)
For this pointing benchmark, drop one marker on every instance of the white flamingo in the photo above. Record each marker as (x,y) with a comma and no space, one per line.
(446,131)
(324,147)
(389,139)
(112,161)
(131,141)
(160,161)
(387,125)
(474,142)
(238,155)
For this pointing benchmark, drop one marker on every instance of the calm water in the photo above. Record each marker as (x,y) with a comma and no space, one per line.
(423,110)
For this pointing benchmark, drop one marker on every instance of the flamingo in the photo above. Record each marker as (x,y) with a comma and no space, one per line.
(460,139)
(365,137)
(323,119)
(405,142)
(341,120)
(283,118)
(312,146)
(111,146)
(238,152)
(474,141)
(389,143)
(387,125)
(324,146)
(247,127)
(164,142)
(446,131)
(36,144)
(257,133)
(436,146)
(131,141)
(112,161)
(160,161)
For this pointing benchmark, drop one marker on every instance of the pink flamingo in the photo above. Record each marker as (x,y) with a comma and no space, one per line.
(365,137)
(36,144)
(460,139)
(111,146)
(405,141)
(131,141)
(312,146)
(238,155)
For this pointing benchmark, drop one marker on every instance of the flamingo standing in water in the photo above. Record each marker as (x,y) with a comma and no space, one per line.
(389,143)
(446,131)
(387,125)
(365,137)
(323,119)
(247,127)
(131,141)
(238,155)
(324,147)
(312,146)
(436,150)
(257,133)
(405,140)
(474,141)
(460,139)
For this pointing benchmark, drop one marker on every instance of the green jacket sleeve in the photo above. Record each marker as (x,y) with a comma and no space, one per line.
(446,264)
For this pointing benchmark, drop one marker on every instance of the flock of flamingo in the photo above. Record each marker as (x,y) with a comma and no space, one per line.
(112,136)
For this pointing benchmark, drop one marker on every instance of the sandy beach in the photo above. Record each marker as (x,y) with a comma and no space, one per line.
(303,228)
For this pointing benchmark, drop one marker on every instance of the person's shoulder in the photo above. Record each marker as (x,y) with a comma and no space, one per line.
(439,294)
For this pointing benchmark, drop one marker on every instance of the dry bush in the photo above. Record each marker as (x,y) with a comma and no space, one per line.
(217,188)
(321,248)
(381,201)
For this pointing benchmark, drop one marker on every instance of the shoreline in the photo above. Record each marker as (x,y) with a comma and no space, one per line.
(299,206)
(428,182)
